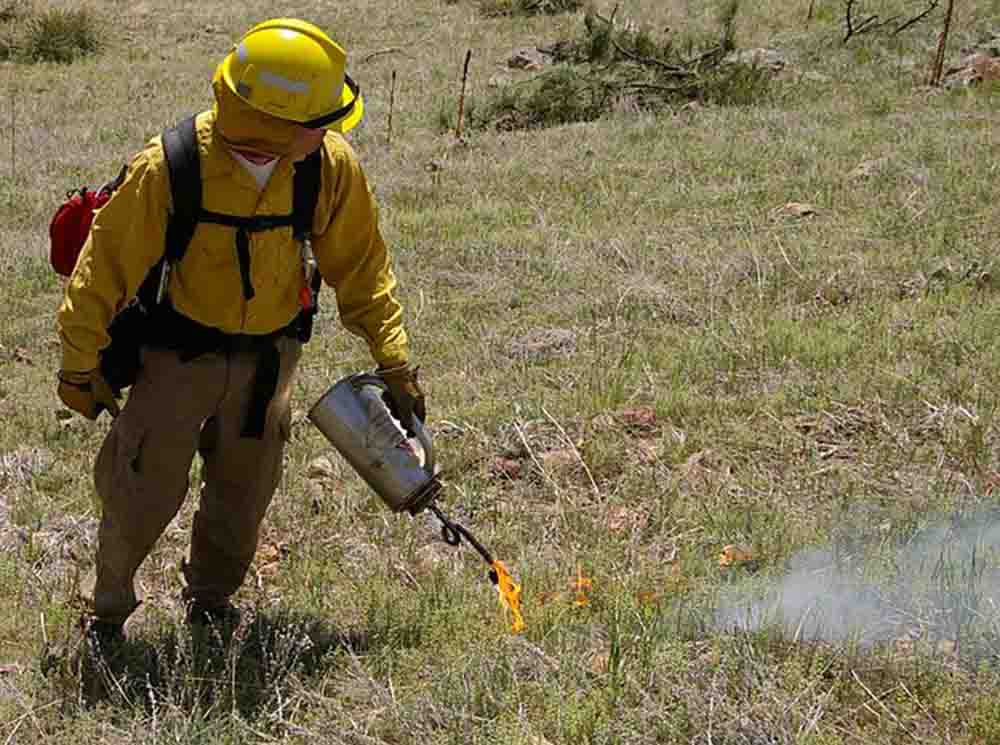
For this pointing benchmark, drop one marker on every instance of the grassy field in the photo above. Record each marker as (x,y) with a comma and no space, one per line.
(637,351)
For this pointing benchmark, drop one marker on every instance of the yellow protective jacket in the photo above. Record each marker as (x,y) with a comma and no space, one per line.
(128,237)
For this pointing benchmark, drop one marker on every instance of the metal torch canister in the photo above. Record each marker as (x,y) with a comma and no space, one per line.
(354,417)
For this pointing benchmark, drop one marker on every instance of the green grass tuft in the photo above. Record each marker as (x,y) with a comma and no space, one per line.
(612,65)
(57,35)
(491,8)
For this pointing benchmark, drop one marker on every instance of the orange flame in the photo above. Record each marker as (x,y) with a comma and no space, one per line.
(510,595)
(581,585)
(735,554)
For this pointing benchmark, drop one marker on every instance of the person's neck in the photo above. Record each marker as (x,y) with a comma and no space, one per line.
(255,156)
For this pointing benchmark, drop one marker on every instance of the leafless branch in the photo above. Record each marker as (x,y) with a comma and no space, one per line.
(872,23)
(672,70)
(931,6)
(658,88)
(379,52)
(850,28)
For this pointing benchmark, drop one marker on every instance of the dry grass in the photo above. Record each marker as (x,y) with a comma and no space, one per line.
(636,353)
(493,8)
(32,35)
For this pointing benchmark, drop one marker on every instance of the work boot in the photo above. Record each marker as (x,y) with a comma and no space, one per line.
(105,637)
(97,643)
(99,659)
(224,617)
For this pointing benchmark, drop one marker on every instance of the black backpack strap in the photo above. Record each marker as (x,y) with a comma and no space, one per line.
(305,194)
(180,146)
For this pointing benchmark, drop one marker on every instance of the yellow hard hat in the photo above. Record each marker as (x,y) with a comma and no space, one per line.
(291,70)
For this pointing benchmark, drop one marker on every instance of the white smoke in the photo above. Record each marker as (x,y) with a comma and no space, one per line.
(941,582)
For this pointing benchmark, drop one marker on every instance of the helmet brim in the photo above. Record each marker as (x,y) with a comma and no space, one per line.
(355,115)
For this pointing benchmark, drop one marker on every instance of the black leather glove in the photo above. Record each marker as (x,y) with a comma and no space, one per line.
(404,398)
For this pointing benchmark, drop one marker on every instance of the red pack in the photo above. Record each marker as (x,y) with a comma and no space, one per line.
(71,223)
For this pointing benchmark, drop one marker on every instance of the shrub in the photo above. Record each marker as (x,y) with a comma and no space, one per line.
(59,35)
(614,63)
(11,10)
(528,7)
(561,96)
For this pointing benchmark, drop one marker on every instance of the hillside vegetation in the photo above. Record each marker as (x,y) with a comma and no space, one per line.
(711,343)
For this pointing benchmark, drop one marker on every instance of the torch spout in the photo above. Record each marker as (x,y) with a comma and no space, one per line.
(453,533)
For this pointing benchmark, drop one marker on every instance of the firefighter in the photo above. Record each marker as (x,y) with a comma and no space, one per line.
(216,376)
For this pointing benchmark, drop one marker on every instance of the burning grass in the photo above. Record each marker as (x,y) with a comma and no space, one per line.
(636,357)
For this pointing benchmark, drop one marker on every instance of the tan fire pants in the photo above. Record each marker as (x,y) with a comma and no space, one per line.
(174,410)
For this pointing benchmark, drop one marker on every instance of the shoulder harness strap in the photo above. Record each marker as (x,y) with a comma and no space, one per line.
(180,145)
(180,148)
(304,198)
(305,194)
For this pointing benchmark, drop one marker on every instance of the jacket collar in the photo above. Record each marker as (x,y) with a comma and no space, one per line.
(216,158)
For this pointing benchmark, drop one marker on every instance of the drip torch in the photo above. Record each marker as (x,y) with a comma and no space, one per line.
(353,416)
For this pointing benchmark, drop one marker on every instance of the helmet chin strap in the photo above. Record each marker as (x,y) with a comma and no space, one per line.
(321,121)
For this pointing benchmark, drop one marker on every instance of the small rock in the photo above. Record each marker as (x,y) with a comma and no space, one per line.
(498,81)
(641,419)
(599,662)
(506,468)
(321,468)
(869,168)
(832,293)
(973,70)
(603,422)
(988,45)
(558,460)
(794,210)
(315,492)
(737,554)
(771,59)
(528,59)
(542,343)
(815,77)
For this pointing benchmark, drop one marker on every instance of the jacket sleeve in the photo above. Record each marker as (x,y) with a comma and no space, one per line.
(354,260)
(126,239)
